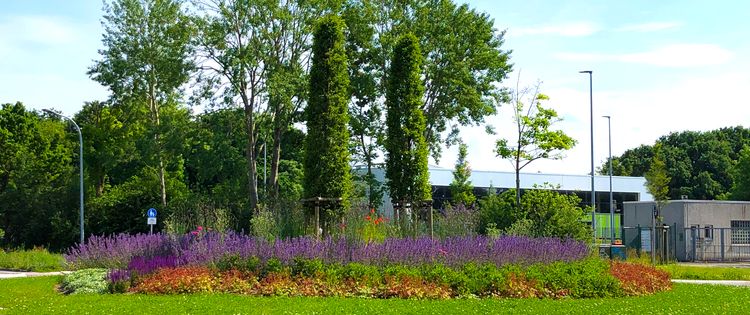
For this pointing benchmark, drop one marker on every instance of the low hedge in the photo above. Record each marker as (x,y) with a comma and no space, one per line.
(588,278)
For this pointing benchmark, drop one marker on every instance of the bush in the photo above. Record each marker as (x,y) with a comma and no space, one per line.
(178,280)
(638,279)
(37,259)
(263,224)
(85,281)
(589,278)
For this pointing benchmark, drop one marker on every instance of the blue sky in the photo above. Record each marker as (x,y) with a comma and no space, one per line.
(659,66)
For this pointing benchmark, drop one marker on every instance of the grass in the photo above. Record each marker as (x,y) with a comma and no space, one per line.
(37,296)
(37,259)
(706,273)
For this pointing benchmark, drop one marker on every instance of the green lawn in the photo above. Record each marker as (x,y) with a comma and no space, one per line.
(37,296)
(31,260)
(706,273)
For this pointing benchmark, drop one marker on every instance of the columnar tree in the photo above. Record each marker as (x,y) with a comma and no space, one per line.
(534,140)
(462,192)
(326,165)
(406,148)
(145,62)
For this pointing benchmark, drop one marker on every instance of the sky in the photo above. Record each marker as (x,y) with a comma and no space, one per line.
(658,67)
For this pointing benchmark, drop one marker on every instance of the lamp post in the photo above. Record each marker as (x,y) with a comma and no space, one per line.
(80,162)
(593,192)
(611,207)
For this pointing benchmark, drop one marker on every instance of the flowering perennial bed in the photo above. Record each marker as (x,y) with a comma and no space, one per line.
(204,249)
(406,268)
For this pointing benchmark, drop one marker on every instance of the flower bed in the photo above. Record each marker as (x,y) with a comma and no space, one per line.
(205,249)
(406,268)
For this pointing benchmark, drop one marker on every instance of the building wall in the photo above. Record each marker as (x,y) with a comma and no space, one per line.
(681,215)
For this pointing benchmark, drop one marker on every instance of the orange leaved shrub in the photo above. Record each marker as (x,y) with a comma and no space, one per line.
(639,279)
(178,280)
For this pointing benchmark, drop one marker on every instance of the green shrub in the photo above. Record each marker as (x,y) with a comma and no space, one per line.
(85,281)
(589,278)
(239,263)
(263,224)
(37,259)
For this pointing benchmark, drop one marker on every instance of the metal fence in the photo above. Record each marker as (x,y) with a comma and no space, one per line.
(641,241)
(717,244)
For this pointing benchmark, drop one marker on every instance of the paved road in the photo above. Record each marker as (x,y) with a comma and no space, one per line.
(5,274)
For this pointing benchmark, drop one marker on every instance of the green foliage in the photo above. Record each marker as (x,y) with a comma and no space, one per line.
(406,157)
(461,189)
(554,214)
(657,180)
(264,225)
(37,259)
(85,281)
(145,62)
(543,213)
(458,220)
(326,165)
(678,271)
(741,187)
(185,215)
(534,139)
(497,210)
(700,164)
(38,181)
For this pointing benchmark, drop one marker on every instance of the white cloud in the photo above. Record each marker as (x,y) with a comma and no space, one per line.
(673,56)
(649,27)
(573,29)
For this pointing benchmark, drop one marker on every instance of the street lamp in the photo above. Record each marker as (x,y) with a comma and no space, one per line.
(593,192)
(80,160)
(611,208)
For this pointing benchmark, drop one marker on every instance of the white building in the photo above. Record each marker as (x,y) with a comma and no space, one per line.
(624,188)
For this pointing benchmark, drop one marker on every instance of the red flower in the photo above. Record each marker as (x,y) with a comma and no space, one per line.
(372,210)
(368,218)
(200,228)
(194,232)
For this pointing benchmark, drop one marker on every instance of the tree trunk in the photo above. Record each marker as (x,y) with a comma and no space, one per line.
(157,139)
(252,183)
(100,185)
(273,178)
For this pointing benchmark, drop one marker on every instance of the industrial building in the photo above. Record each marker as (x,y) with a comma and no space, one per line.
(690,230)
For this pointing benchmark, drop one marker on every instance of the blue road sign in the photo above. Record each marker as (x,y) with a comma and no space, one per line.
(151,213)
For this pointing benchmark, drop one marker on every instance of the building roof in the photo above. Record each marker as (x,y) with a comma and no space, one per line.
(440,176)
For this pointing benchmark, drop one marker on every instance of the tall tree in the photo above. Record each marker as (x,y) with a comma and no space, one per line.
(657,180)
(462,192)
(145,62)
(534,138)
(38,181)
(108,141)
(326,166)
(464,64)
(233,40)
(406,149)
